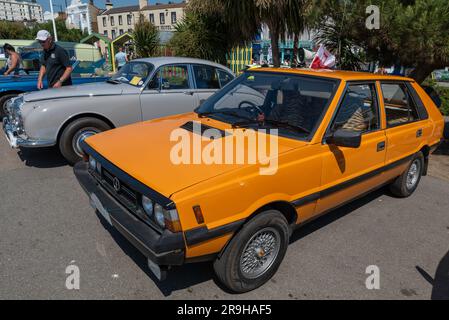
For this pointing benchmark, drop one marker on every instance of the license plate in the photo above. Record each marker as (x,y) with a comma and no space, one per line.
(97,205)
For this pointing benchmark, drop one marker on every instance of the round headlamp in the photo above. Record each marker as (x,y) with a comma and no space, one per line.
(147,205)
(159,215)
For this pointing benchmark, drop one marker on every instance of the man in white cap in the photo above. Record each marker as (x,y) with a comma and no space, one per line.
(55,63)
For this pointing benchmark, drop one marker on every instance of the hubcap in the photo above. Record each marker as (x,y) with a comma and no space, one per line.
(260,253)
(79,137)
(413,174)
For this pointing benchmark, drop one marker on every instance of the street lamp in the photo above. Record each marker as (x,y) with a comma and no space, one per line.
(53,19)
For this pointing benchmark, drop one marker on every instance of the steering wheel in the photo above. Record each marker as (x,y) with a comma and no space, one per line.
(253,109)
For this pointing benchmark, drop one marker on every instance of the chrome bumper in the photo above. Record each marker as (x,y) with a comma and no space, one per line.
(16,141)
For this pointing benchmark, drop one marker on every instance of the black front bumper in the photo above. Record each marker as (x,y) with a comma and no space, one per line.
(166,249)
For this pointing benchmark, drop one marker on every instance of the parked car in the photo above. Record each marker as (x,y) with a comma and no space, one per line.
(340,136)
(12,86)
(143,89)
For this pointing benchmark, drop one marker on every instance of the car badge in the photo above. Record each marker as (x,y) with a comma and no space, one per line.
(116,183)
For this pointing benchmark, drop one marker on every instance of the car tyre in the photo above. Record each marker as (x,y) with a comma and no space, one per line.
(265,237)
(77,131)
(406,184)
(3,101)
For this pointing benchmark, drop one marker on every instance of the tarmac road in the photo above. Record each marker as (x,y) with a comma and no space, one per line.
(47,224)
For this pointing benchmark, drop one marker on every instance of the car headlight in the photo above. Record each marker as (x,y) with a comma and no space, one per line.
(147,205)
(92,163)
(159,215)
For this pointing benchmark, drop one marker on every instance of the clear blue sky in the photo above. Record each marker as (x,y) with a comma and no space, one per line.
(98,3)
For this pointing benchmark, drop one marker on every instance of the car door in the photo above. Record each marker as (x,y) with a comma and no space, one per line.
(169,92)
(350,172)
(208,80)
(407,125)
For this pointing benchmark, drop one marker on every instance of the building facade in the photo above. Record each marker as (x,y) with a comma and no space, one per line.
(21,10)
(115,21)
(82,16)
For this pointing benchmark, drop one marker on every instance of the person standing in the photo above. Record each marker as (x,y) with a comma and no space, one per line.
(120,58)
(55,63)
(14,62)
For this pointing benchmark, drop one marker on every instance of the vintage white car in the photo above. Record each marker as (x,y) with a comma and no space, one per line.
(143,89)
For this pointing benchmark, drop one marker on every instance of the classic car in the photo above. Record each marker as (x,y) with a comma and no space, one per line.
(143,89)
(340,135)
(13,85)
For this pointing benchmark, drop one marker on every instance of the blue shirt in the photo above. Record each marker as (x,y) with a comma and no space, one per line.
(121,59)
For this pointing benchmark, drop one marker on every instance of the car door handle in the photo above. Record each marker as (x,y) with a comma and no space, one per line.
(419,133)
(188,93)
(381,146)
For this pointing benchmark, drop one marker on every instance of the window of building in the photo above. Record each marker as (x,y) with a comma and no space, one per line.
(399,105)
(173,17)
(106,33)
(112,21)
(104,22)
(152,18)
(162,18)
(129,18)
(121,32)
(113,34)
(120,20)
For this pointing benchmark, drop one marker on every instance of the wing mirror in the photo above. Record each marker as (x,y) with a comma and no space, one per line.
(345,138)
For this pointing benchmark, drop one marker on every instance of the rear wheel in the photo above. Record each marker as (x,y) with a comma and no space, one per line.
(406,184)
(255,253)
(3,101)
(75,133)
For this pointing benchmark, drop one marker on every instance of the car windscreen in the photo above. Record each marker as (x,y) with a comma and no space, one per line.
(134,73)
(278,99)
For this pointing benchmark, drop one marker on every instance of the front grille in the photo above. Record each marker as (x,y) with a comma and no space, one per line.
(126,194)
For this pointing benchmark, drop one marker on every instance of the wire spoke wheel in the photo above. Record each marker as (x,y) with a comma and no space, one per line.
(413,174)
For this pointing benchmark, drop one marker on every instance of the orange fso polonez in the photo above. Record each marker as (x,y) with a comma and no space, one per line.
(271,151)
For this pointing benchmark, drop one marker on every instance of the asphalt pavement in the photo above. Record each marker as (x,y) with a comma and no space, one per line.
(47,225)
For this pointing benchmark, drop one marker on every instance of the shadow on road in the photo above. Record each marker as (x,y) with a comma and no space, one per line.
(440,284)
(42,158)
(186,276)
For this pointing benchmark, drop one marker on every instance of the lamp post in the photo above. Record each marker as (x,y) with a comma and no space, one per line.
(53,19)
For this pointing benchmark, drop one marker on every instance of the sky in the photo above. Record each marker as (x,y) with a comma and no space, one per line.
(98,3)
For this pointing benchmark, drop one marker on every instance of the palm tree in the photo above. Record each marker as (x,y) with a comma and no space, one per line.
(146,38)
(245,18)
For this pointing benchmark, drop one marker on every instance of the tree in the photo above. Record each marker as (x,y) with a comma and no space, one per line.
(64,34)
(245,18)
(146,38)
(413,33)
(201,36)
(12,30)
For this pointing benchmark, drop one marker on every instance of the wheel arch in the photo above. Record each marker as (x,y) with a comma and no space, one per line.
(80,116)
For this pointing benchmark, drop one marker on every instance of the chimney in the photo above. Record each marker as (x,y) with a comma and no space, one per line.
(143,4)
(109,5)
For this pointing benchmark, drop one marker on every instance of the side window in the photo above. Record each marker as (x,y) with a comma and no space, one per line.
(174,77)
(399,105)
(206,77)
(155,83)
(224,77)
(359,110)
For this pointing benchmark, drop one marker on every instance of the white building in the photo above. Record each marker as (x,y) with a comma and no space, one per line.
(82,16)
(47,16)
(21,10)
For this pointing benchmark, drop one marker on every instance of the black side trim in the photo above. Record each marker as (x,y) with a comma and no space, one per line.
(347,184)
(189,127)
(136,185)
(422,111)
(202,234)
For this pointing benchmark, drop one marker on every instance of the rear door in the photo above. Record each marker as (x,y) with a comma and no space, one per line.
(169,92)
(347,172)
(407,124)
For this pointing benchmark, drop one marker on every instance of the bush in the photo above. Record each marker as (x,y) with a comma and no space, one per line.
(443,92)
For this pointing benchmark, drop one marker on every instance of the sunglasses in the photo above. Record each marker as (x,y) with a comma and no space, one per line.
(42,42)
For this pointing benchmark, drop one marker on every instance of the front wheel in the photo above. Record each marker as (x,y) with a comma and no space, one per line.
(255,253)
(3,101)
(75,133)
(406,184)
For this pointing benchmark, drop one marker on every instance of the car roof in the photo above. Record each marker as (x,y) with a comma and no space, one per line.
(158,61)
(335,74)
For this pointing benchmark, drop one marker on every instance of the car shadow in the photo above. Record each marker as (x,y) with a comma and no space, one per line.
(440,283)
(43,158)
(186,276)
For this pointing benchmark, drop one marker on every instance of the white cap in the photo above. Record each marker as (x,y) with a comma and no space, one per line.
(43,35)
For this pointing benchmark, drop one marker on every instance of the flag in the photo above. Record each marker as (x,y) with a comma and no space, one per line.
(323,59)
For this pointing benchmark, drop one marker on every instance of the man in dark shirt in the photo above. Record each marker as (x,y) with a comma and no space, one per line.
(55,63)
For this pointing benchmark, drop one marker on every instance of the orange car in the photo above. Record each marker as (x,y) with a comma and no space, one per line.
(335,136)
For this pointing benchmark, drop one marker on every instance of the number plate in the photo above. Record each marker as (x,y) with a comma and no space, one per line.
(97,205)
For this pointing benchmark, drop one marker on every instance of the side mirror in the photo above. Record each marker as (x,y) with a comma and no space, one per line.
(345,138)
